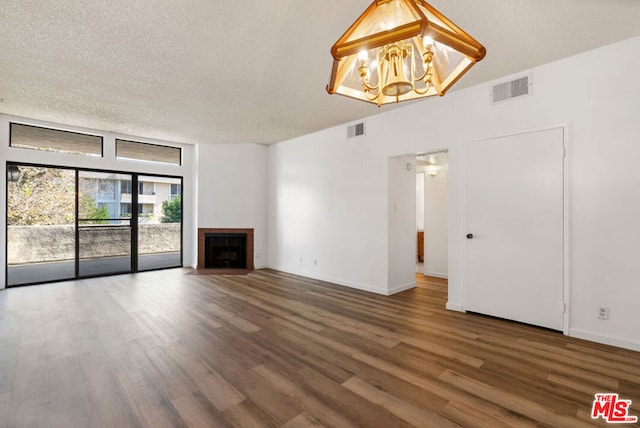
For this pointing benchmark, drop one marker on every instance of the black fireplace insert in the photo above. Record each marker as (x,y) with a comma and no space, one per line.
(225,251)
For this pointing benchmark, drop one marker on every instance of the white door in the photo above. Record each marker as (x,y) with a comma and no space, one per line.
(513,243)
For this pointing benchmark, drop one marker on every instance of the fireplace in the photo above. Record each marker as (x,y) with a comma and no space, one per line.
(225,249)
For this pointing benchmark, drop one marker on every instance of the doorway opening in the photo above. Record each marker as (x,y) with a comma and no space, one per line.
(432,219)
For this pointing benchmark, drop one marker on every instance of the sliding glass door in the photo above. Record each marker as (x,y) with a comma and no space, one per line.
(159,222)
(41,218)
(74,223)
(104,228)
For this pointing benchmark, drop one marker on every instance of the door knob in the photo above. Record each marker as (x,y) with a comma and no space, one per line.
(469,235)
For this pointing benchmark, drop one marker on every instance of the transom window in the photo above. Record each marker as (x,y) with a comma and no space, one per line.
(54,140)
(126,149)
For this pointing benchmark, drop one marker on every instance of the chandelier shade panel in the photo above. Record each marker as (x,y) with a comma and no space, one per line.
(400,50)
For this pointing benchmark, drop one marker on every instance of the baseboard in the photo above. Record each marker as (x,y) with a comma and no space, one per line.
(401,288)
(606,340)
(329,279)
(454,307)
(437,275)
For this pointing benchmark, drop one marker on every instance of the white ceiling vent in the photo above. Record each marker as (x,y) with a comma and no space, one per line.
(512,89)
(355,130)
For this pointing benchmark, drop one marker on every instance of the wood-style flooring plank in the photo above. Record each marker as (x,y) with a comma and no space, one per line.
(303,420)
(272,349)
(514,403)
(414,415)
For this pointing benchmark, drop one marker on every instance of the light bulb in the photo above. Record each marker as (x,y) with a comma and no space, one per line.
(427,41)
(363,56)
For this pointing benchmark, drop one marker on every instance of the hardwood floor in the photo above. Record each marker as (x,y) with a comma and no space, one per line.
(271,349)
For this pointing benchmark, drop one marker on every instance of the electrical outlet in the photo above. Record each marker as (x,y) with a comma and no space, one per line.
(603,312)
(300,261)
(315,262)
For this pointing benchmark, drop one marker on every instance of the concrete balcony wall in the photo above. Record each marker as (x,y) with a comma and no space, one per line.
(37,244)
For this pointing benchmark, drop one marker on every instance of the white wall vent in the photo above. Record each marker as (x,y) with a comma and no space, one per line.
(355,130)
(512,89)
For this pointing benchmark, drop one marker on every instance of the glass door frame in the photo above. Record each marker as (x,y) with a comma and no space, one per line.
(134,221)
(79,227)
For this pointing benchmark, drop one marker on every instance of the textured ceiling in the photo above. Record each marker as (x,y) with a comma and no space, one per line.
(210,71)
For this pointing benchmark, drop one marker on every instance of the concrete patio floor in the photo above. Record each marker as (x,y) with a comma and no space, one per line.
(56,271)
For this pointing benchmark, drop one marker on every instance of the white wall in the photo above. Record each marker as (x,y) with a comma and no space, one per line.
(420,201)
(402,231)
(327,212)
(107,162)
(436,224)
(328,194)
(232,191)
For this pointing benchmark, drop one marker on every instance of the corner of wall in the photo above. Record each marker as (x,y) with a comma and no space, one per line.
(401,288)
(452,306)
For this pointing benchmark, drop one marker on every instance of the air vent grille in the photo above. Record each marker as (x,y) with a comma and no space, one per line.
(355,130)
(512,89)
